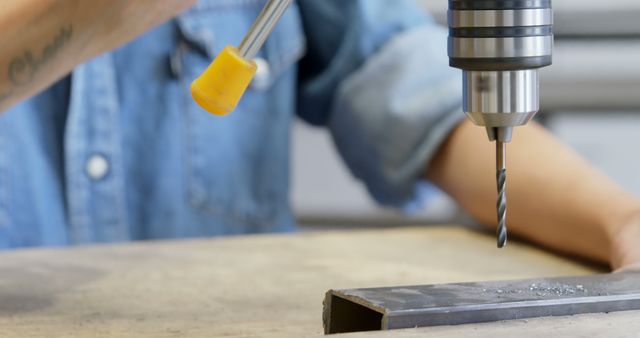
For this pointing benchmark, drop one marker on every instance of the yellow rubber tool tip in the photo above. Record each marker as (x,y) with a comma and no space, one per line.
(219,89)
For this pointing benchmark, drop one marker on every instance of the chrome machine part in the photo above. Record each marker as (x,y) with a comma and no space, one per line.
(501,18)
(530,46)
(500,99)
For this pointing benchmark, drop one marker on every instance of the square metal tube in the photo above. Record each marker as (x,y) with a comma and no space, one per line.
(462,303)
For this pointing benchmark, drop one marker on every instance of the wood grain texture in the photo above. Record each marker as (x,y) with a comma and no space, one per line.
(254,286)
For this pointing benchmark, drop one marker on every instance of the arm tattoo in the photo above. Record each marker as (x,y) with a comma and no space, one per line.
(23,68)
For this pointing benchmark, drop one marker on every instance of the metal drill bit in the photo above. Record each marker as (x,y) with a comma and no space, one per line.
(501,179)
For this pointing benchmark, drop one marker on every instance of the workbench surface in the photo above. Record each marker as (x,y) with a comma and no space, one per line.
(269,286)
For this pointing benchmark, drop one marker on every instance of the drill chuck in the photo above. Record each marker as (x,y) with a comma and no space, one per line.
(500,45)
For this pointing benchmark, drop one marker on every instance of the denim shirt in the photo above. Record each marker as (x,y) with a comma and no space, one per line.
(119,151)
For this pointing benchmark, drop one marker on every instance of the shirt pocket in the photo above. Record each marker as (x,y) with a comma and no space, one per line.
(237,166)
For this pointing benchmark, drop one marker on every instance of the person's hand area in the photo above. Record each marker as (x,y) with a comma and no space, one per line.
(626,247)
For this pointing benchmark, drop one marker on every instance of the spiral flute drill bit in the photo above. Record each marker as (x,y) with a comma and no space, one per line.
(501,179)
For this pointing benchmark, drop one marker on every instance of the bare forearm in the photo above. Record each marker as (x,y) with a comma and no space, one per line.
(42,40)
(555,198)
(34,34)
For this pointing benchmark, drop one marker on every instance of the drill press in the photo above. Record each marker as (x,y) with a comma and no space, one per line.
(500,45)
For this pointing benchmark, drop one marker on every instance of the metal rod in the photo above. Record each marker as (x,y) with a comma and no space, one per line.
(262,27)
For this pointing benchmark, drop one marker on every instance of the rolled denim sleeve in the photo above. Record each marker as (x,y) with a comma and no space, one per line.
(386,93)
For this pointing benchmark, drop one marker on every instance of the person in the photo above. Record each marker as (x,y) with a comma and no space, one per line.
(117,150)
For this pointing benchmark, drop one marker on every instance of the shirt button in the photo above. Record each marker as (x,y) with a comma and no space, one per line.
(97,167)
(262,79)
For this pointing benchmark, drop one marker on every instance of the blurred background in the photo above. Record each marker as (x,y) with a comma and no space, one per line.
(590,99)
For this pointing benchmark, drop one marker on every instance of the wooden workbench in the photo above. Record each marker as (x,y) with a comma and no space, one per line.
(262,285)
